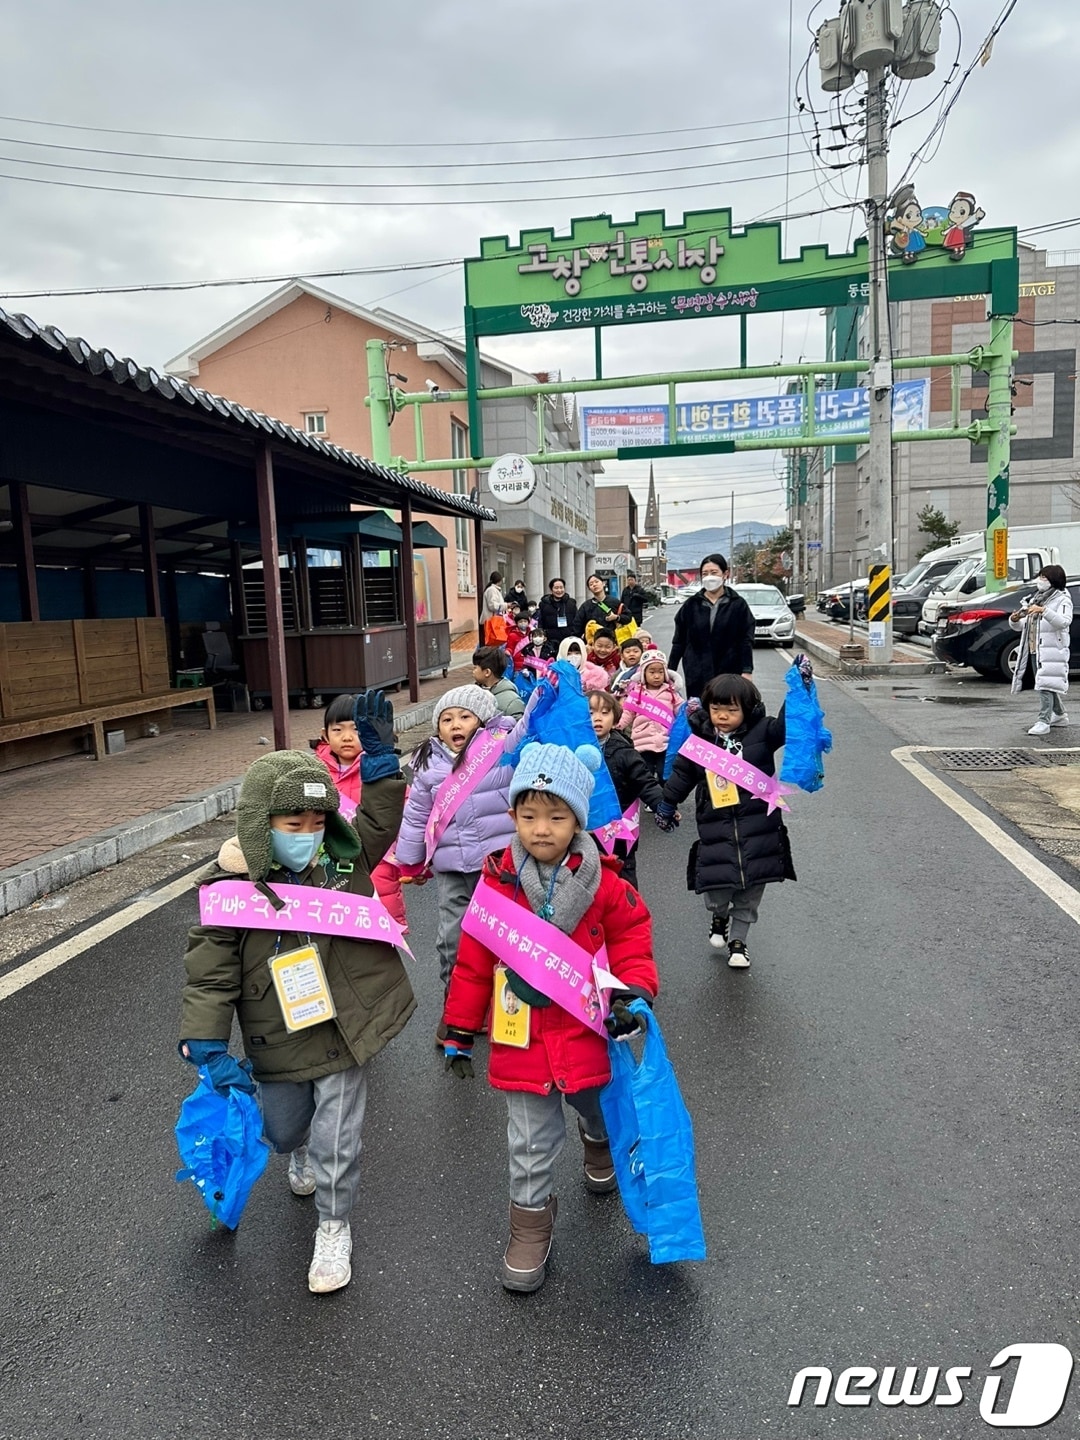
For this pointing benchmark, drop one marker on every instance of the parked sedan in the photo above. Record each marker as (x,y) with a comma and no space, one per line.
(774,624)
(977,632)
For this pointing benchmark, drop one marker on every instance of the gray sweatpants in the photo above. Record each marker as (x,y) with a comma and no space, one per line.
(327,1115)
(536,1133)
(455,891)
(1050,705)
(741,905)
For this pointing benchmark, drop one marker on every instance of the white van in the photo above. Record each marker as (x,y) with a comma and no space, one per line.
(969,575)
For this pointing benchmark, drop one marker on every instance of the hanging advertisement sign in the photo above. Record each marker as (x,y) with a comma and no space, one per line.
(768,417)
(606,273)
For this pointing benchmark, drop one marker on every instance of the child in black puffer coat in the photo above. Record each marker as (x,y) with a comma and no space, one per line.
(741,847)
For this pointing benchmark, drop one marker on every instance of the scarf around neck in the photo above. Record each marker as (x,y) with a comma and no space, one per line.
(573,891)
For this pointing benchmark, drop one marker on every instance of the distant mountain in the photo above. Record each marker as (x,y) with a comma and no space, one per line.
(691,545)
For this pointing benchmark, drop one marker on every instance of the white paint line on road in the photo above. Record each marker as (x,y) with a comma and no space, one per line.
(1064,895)
(67,950)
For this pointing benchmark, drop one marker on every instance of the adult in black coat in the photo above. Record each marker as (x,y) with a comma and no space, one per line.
(633,598)
(556,612)
(518,595)
(714,631)
(599,607)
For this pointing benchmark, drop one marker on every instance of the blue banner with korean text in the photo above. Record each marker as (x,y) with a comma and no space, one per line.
(768,417)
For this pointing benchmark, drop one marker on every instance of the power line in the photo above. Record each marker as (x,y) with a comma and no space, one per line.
(382,184)
(371,204)
(386,165)
(243,280)
(393,144)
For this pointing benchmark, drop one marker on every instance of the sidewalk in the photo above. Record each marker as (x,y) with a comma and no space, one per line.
(65,819)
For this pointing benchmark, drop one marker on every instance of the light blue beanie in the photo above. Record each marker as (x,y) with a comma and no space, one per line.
(558,770)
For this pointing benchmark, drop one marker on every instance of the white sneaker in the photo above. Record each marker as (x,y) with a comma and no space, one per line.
(738,959)
(1061,719)
(331,1267)
(301,1175)
(1039,728)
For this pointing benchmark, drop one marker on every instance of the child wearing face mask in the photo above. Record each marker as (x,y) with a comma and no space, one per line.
(457,810)
(1044,621)
(312,1081)
(741,845)
(593,677)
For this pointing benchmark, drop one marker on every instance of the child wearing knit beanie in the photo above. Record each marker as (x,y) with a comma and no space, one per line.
(461,776)
(552,876)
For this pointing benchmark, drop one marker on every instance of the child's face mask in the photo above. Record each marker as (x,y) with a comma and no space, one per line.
(295,850)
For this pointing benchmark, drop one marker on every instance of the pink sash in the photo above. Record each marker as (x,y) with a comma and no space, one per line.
(638,703)
(307,911)
(542,955)
(733,767)
(484,754)
(627,827)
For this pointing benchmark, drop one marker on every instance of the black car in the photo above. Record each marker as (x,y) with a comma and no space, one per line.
(907,606)
(977,633)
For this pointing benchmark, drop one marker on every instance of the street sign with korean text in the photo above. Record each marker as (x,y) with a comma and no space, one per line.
(609,273)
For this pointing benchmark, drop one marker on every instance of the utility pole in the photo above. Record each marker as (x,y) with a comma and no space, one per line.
(879,37)
(879,456)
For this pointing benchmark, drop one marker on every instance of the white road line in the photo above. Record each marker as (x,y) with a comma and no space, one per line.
(67,950)
(1051,884)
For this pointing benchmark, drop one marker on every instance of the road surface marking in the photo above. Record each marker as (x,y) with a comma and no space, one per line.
(1064,895)
(67,950)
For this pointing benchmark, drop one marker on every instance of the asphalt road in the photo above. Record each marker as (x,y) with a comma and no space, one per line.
(886,1125)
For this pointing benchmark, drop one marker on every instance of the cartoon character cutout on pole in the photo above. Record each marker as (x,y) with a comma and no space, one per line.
(906,226)
(963,216)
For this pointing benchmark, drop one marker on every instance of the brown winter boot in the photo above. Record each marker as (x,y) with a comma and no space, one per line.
(529,1247)
(599,1166)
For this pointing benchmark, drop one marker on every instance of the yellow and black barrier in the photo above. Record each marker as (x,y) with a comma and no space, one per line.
(878,595)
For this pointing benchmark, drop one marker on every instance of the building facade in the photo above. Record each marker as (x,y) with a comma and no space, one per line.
(300,355)
(951,475)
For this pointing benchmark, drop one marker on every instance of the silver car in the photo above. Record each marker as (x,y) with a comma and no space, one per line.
(774,623)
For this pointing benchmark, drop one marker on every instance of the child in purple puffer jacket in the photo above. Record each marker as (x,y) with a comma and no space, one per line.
(476,825)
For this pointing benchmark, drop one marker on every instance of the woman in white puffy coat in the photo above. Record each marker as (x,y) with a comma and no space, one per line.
(1044,623)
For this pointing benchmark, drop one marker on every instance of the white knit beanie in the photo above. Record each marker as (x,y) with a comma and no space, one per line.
(473,698)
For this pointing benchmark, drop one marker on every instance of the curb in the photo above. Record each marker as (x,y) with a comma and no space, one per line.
(831,656)
(22,884)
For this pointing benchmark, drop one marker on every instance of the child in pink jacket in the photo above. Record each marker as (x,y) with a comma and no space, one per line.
(339,750)
(655,685)
(593,677)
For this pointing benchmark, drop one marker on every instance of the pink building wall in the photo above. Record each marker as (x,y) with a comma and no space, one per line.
(310,356)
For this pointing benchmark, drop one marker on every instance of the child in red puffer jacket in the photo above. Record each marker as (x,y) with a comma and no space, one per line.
(339,750)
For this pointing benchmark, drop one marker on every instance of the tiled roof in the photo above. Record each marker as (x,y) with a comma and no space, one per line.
(126,373)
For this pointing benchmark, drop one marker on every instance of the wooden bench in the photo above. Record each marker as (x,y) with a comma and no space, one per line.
(94,717)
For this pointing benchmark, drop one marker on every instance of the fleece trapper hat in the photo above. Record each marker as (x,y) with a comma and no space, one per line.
(285,783)
(653,657)
(466,697)
(558,770)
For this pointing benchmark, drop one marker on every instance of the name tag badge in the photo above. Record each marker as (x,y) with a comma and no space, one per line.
(509,1015)
(721,792)
(301,988)
(560,621)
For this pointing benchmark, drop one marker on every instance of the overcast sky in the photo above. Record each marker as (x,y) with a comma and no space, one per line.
(436,83)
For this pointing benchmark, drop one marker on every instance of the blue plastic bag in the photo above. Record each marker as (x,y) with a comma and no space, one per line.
(678,735)
(652,1146)
(220,1142)
(807,739)
(560,715)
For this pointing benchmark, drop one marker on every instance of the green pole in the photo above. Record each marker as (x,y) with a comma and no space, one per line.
(998,449)
(742,342)
(599,348)
(472,383)
(379,402)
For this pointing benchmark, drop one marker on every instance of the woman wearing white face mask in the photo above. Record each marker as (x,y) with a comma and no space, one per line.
(1044,622)
(714,631)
